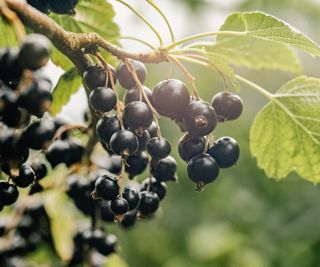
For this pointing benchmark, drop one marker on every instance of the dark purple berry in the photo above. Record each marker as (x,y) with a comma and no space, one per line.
(190,146)
(125,77)
(132,196)
(134,94)
(165,169)
(124,142)
(8,193)
(94,76)
(119,206)
(137,116)
(26,176)
(160,188)
(103,99)
(106,187)
(158,148)
(136,163)
(106,127)
(149,202)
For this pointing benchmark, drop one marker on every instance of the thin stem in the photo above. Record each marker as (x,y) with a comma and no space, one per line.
(69,127)
(258,88)
(164,18)
(137,40)
(202,35)
(143,19)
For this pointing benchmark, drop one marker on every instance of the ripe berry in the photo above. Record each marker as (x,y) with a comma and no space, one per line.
(106,187)
(202,169)
(41,5)
(40,169)
(57,153)
(190,146)
(108,245)
(158,148)
(94,76)
(26,176)
(129,219)
(200,118)
(36,188)
(106,127)
(34,52)
(143,139)
(63,6)
(171,98)
(8,193)
(10,69)
(137,116)
(105,210)
(165,169)
(228,106)
(102,99)
(75,152)
(149,202)
(125,77)
(136,163)
(225,151)
(132,196)
(134,94)
(152,129)
(160,188)
(115,164)
(124,142)
(119,206)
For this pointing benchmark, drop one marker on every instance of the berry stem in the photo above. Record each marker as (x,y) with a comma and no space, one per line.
(121,177)
(69,127)
(137,40)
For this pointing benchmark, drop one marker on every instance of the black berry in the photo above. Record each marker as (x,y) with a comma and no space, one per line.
(160,188)
(125,77)
(190,146)
(26,176)
(63,6)
(119,206)
(103,99)
(106,187)
(124,142)
(134,94)
(137,115)
(8,193)
(106,127)
(132,196)
(94,76)
(149,202)
(165,169)
(158,148)
(136,163)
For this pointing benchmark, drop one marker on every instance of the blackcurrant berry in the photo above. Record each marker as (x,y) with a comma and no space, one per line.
(160,188)
(40,169)
(115,164)
(134,94)
(171,98)
(10,68)
(132,196)
(227,105)
(75,152)
(63,6)
(26,176)
(106,187)
(35,188)
(103,99)
(158,148)
(136,163)
(165,169)
(202,169)
(106,127)
(125,77)
(58,153)
(119,206)
(200,118)
(149,202)
(225,151)
(41,5)
(8,193)
(34,52)
(137,115)
(108,245)
(94,76)
(106,213)
(124,142)
(129,219)
(143,139)
(153,130)
(190,146)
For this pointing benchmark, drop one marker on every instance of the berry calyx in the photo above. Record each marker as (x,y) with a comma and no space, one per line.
(158,148)
(125,77)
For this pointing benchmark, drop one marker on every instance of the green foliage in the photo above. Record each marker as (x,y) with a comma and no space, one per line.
(8,36)
(285,135)
(68,84)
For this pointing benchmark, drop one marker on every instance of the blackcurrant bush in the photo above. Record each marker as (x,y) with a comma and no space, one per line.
(106,187)
(129,219)
(225,151)
(124,142)
(106,127)
(171,98)
(119,206)
(165,169)
(202,169)
(34,52)
(160,188)
(158,148)
(63,6)
(149,202)
(41,5)
(227,105)
(102,99)
(125,77)
(136,163)
(200,118)
(94,76)
(137,115)
(58,153)
(134,94)
(190,146)
(8,193)
(26,176)
(132,196)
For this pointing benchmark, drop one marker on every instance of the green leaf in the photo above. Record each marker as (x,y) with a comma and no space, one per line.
(285,135)
(68,84)
(255,50)
(91,16)
(8,37)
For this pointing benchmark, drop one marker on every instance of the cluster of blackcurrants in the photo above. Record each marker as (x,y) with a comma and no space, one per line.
(55,6)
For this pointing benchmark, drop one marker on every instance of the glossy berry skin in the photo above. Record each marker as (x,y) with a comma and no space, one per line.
(136,163)
(41,5)
(125,78)
(36,188)
(105,210)
(165,169)
(124,142)
(149,202)
(10,69)
(132,196)
(75,152)
(40,169)
(58,153)
(108,245)
(171,98)
(119,206)
(135,95)
(137,116)
(202,169)
(106,187)
(200,118)
(94,76)
(34,52)
(103,99)
(129,219)
(152,129)
(8,193)
(225,151)
(158,148)
(160,188)
(143,139)
(106,127)
(26,176)
(190,146)
(227,105)
(63,6)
